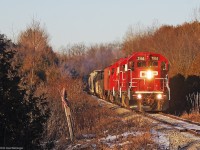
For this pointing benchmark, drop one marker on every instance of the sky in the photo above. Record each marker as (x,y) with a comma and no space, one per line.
(91,21)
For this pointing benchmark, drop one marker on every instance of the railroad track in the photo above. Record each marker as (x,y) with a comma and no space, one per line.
(178,123)
(170,132)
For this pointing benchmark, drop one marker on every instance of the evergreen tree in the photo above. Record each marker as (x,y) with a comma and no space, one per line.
(22,114)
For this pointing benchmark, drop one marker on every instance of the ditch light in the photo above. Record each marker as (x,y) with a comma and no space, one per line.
(159,96)
(139,96)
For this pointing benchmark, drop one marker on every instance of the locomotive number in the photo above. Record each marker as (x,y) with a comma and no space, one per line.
(140,58)
(154,58)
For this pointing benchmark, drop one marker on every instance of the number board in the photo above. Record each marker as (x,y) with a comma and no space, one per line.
(154,58)
(140,58)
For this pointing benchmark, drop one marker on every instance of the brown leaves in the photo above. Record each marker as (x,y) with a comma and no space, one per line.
(34,37)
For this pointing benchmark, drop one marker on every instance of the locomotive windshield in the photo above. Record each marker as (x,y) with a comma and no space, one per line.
(153,64)
(141,63)
(163,66)
(131,65)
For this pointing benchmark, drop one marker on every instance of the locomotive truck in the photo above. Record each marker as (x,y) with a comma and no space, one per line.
(139,81)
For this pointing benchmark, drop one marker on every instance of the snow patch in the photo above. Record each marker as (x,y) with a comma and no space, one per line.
(110,140)
(161,139)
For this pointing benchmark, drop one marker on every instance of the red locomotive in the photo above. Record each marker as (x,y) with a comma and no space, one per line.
(139,81)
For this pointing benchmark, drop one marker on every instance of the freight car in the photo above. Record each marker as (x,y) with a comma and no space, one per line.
(96,83)
(139,81)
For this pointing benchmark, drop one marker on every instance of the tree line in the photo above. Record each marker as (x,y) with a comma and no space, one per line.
(180,44)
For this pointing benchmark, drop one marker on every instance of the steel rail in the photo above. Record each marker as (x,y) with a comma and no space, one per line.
(176,125)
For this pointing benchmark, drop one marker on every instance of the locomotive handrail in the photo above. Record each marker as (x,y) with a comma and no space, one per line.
(131,81)
(164,82)
(167,85)
(122,75)
(122,78)
(117,83)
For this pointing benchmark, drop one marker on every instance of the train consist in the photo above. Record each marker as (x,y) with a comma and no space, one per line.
(139,81)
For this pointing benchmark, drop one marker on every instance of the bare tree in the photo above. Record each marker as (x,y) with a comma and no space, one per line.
(34,52)
(34,37)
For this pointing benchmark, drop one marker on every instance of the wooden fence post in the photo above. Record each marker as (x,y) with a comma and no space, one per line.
(67,113)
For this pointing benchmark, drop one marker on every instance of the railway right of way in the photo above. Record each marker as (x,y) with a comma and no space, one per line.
(181,133)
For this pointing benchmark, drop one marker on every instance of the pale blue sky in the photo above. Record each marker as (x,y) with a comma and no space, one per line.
(91,21)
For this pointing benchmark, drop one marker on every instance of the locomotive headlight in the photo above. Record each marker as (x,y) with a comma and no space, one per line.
(149,74)
(159,96)
(139,96)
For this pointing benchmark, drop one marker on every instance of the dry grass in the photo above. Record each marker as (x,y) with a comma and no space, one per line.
(90,117)
(93,122)
(130,142)
(108,130)
(138,123)
(140,142)
(193,116)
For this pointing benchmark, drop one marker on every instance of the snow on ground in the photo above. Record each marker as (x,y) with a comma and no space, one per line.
(125,134)
(113,140)
(161,139)
(168,137)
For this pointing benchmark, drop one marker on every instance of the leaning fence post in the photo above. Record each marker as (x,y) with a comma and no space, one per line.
(67,113)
